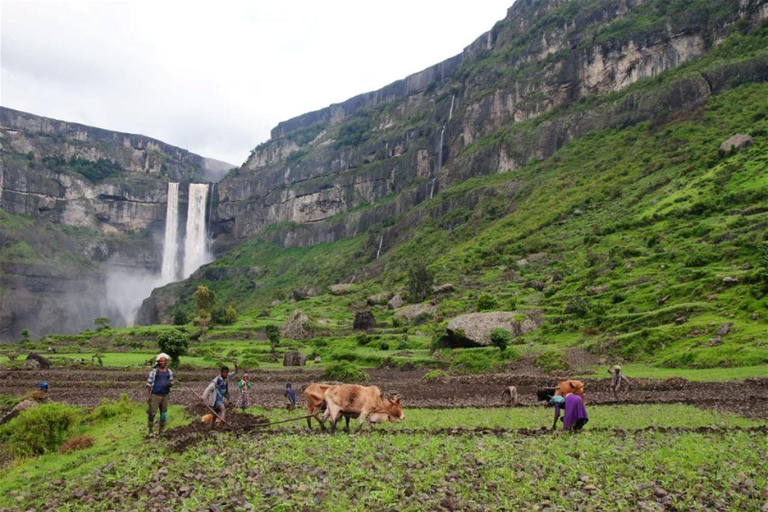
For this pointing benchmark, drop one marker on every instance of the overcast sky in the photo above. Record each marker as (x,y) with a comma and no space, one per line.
(215,77)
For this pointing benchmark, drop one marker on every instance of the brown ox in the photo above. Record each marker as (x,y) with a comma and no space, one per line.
(362,402)
(315,400)
(570,386)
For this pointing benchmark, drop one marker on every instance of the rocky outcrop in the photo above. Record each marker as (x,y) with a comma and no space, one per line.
(294,358)
(297,326)
(737,142)
(308,174)
(476,328)
(417,313)
(364,320)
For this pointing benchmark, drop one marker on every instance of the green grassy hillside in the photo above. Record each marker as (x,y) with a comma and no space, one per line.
(623,239)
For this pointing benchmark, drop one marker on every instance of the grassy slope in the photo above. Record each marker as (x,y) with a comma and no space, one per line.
(661,215)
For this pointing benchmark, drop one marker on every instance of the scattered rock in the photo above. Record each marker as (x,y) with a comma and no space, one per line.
(578,212)
(395,302)
(444,288)
(590,488)
(274,303)
(663,300)
(364,320)
(755,316)
(597,290)
(379,299)
(297,326)
(342,289)
(714,342)
(659,492)
(680,320)
(415,313)
(304,293)
(294,358)
(737,142)
(724,329)
(42,362)
(477,327)
(318,360)
(730,281)
(746,266)
(536,285)
(263,314)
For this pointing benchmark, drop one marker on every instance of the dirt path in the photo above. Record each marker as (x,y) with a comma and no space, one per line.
(89,387)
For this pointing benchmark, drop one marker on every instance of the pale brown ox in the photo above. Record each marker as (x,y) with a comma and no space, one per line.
(570,386)
(362,402)
(315,400)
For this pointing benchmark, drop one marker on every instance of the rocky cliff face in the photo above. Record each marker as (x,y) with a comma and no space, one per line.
(83,216)
(530,78)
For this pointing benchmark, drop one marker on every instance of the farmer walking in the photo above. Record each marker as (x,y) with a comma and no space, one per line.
(616,380)
(217,391)
(290,397)
(158,388)
(244,400)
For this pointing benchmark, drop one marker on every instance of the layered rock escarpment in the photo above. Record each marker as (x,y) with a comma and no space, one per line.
(80,207)
(520,91)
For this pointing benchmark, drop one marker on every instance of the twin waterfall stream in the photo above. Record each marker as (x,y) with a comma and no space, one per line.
(195,244)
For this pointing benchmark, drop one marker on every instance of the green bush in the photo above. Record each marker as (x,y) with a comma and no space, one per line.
(420,281)
(345,371)
(550,361)
(486,302)
(500,338)
(41,429)
(180,317)
(273,334)
(362,339)
(174,343)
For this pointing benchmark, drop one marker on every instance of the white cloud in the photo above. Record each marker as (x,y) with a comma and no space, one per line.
(215,77)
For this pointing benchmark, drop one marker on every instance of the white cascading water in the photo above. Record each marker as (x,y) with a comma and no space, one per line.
(171,247)
(450,112)
(439,162)
(196,239)
(381,242)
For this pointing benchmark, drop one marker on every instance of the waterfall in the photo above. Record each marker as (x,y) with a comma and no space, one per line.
(171,246)
(210,210)
(381,242)
(439,161)
(196,241)
(450,112)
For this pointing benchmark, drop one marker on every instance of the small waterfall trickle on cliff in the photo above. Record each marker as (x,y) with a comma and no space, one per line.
(450,112)
(381,242)
(196,239)
(439,161)
(171,246)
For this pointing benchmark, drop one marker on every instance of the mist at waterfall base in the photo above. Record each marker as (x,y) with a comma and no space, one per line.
(126,288)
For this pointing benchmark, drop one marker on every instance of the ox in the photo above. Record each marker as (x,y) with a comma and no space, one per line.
(315,400)
(362,402)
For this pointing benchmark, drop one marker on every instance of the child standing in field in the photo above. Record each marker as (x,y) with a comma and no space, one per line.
(290,397)
(244,400)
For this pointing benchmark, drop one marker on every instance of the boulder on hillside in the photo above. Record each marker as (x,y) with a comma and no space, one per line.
(274,303)
(476,328)
(730,281)
(25,404)
(417,313)
(294,358)
(737,142)
(379,299)
(263,314)
(39,360)
(364,320)
(443,288)
(395,302)
(304,293)
(342,289)
(297,326)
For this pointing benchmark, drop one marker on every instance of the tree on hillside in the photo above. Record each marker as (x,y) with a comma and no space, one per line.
(420,281)
(174,343)
(102,323)
(205,298)
(500,338)
(25,334)
(273,334)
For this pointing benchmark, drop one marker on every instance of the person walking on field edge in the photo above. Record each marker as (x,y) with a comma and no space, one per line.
(244,400)
(290,397)
(216,392)
(616,379)
(158,388)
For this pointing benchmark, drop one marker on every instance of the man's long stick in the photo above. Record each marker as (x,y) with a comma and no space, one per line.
(211,408)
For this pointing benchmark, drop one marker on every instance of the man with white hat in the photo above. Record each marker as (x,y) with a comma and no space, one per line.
(158,388)
(616,379)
